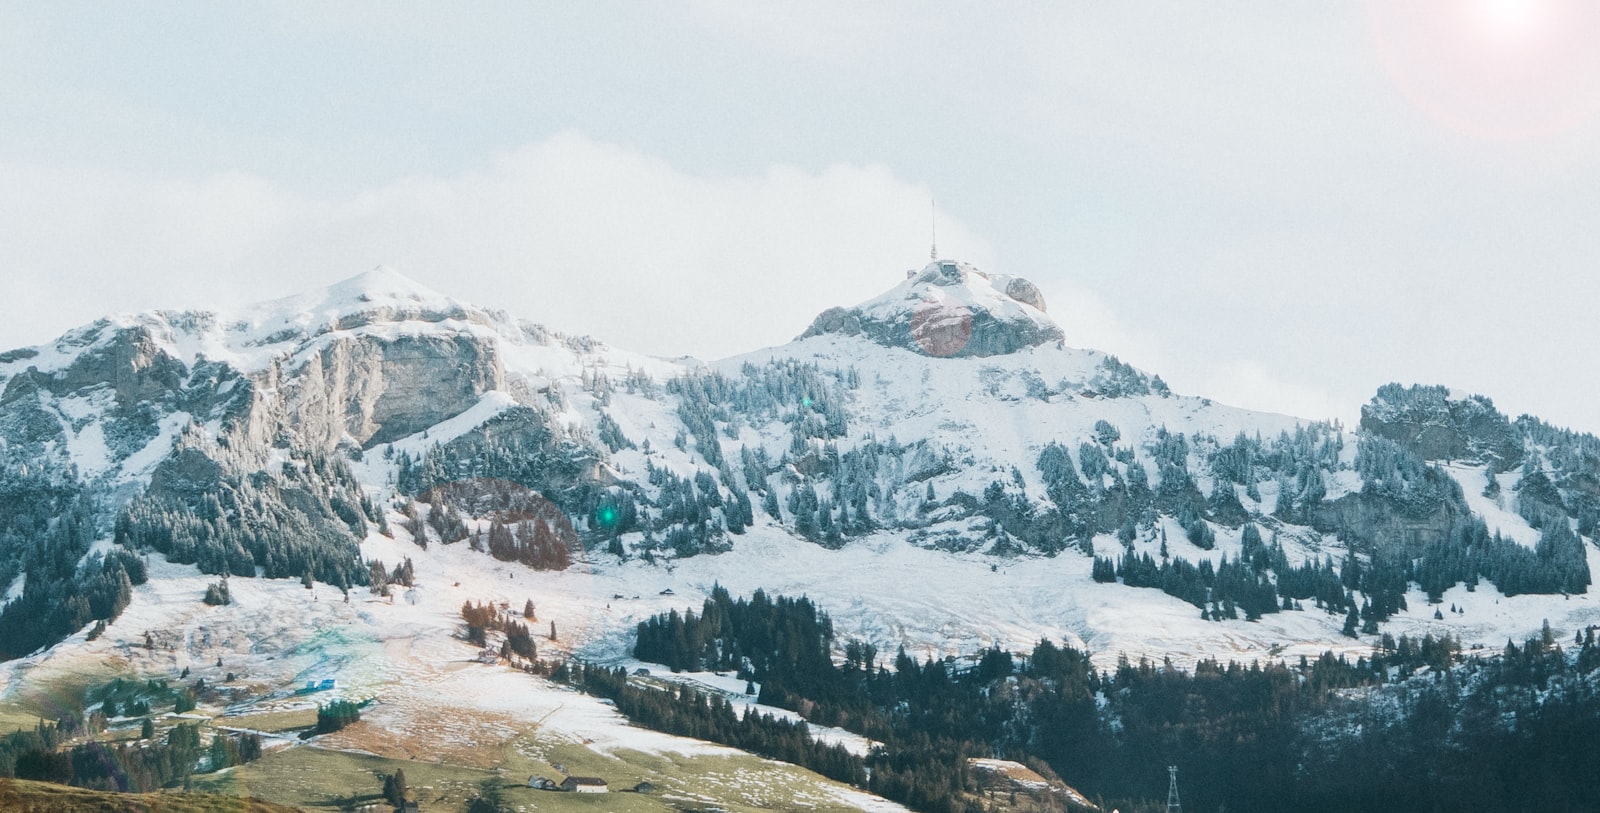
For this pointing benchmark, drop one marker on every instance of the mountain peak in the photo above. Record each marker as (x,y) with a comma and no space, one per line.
(379,295)
(949,308)
(381,284)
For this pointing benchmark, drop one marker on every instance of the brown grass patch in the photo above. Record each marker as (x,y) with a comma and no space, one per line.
(44,797)
(457,737)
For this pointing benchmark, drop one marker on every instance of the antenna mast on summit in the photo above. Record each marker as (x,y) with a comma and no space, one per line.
(933,230)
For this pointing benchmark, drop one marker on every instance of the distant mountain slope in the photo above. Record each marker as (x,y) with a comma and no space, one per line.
(947,414)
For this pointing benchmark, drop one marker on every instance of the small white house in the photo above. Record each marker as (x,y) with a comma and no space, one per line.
(584,784)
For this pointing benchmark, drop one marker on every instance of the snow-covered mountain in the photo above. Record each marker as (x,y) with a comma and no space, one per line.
(324,487)
(935,465)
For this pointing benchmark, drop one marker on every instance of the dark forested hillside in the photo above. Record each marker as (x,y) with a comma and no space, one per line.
(47,527)
(1415,727)
(303,520)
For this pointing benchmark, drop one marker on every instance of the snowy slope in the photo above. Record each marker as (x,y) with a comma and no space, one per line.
(1002,410)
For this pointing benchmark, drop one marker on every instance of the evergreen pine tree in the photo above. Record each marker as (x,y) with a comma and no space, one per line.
(394,788)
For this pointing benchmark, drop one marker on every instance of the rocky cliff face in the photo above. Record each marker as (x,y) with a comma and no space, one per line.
(371,389)
(365,362)
(1377,525)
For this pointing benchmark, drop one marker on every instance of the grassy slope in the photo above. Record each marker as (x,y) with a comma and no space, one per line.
(322,779)
(44,797)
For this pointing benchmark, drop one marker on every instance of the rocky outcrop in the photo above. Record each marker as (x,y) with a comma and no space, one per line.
(186,476)
(125,371)
(1436,426)
(25,426)
(949,309)
(132,362)
(1021,290)
(843,321)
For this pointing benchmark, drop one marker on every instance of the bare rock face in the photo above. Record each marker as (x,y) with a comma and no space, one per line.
(133,363)
(124,368)
(25,426)
(365,362)
(374,390)
(128,360)
(1368,517)
(836,320)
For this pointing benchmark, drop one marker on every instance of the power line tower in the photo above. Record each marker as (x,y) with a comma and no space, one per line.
(1173,805)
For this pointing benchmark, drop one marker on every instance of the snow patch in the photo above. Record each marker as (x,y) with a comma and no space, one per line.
(1494,510)
(141,462)
(14,590)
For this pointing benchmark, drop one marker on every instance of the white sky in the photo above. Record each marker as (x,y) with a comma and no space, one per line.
(1278,205)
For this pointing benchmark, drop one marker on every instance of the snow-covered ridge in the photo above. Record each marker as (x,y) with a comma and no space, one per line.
(377,296)
(934,467)
(381,303)
(945,393)
(369,359)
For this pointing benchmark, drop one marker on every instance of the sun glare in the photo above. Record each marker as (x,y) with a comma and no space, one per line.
(1510,18)
(1499,69)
